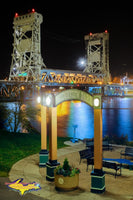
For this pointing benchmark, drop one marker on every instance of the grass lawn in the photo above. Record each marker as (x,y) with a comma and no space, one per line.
(15,146)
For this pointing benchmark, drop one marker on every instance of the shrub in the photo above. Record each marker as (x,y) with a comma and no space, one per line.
(66,169)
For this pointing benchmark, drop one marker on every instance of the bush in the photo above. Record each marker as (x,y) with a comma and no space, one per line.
(115,139)
(66,169)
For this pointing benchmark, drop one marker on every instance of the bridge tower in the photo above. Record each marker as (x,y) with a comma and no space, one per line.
(97,46)
(27,61)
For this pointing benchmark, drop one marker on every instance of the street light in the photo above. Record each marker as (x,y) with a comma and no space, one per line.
(48,100)
(96,102)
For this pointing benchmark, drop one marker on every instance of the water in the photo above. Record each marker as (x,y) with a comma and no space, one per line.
(81,115)
(117,116)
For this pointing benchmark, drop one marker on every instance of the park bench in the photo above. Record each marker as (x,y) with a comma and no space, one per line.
(105,144)
(90,144)
(112,165)
(85,153)
(127,152)
(107,164)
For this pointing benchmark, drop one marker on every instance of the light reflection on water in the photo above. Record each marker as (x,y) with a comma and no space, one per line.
(81,115)
(117,118)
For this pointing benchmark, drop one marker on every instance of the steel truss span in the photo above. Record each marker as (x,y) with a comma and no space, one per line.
(68,76)
(48,77)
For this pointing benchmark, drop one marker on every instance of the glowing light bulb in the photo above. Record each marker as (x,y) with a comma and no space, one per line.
(48,101)
(16,14)
(33,10)
(96,102)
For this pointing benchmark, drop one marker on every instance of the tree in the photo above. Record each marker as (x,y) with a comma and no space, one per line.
(18,115)
(30,113)
(3,115)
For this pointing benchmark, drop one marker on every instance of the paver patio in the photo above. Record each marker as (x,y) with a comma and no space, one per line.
(119,188)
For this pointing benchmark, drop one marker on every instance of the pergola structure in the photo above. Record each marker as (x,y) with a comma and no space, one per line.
(50,101)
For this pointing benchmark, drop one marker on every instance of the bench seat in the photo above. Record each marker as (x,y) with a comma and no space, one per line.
(105,145)
(85,153)
(127,152)
(107,164)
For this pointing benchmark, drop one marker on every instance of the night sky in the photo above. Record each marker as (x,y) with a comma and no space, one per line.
(63,29)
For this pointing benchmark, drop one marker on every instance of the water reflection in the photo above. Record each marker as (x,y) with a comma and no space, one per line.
(117,102)
(118,122)
(81,115)
(117,118)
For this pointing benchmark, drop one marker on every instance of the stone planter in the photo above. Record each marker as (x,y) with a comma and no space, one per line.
(66,183)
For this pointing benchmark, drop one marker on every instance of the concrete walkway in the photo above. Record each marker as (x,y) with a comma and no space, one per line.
(29,170)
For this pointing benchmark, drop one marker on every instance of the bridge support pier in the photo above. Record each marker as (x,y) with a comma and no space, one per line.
(97,176)
(43,155)
(52,163)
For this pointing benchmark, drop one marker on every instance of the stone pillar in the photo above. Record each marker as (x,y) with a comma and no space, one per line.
(52,163)
(97,175)
(43,155)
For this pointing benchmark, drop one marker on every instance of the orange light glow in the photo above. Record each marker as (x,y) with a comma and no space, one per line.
(99,82)
(63,109)
(22,88)
(109,83)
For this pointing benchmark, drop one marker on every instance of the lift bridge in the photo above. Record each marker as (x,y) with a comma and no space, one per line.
(54,79)
(28,73)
